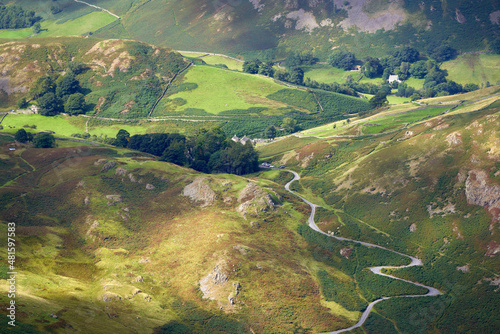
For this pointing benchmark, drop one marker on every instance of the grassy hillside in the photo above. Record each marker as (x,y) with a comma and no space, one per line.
(269,27)
(474,68)
(106,238)
(414,188)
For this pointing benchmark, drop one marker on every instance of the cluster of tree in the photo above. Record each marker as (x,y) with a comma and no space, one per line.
(14,17)
(40,140)
(258,67)
(209,151)
(61,94)
(295,59)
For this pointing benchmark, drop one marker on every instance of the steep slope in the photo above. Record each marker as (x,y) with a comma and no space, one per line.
(245,26)
(109,240)
(431,190)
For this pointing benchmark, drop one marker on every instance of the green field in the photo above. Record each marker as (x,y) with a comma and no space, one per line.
(52,28)
(474,68)
(328,74)
(220,90)
(232,64)
(66,125)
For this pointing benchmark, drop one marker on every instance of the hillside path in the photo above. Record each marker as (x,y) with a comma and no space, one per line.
(107,11)
(376,270)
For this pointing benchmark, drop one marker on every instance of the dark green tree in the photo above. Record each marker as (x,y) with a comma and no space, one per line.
(122,138)
(442,52)
(49,105)
(296,76)
(270,132)
(74,104)
(37,28)
(289,124)
(372,68)
(495,46)
(342,59)
(266,69)
(42,86)
(21,136)
(252,67)
(44,140)
(66,85)
(22,103)
(77,67)
(378,100)
(419,69)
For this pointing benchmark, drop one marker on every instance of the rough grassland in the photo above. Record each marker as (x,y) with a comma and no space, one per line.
(220,90)
(474,68)
(50,28)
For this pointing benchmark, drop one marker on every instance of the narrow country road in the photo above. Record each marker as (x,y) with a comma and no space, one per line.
(376,270)
(107,11)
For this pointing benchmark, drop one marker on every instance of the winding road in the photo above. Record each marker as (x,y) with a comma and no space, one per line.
(376,270)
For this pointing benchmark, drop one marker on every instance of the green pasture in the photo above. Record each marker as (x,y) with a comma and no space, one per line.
(67,125)
(231,63)
(474,68)
(220,90)
(392,122)
(53,28)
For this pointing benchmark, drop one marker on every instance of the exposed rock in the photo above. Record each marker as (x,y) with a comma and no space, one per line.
(254,200)
(144,260)
(100,162)
(113,199)
(242,249)
(449,208)
(254,224)
(346,252)
(132,178)
(413,227)
(94,225)
(149,186)
(136,291)
(138,279)
(110,297)
(200,191)
(454,139)
(479,192)
(107,166)
(120,171)
(86,201)
(464,269)
(492,249)
(213,286)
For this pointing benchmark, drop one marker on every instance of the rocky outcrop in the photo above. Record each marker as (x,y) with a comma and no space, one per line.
(107,166)
(113,199)
(200,191)
(480,192)
(212,284)
(254,200)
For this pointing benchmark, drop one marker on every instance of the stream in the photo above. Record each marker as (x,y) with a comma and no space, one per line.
(376,270)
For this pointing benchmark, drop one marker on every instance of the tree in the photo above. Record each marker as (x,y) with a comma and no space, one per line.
(270,132)
(266,69)
(296,76)
(495,46)
(77,67)
(37,28)
(378,100)
(66,86)
(342,59)
(122,138)
(252,67)
(42,86)
(49,105)
(21,136)
(44,140)
(442,52)
(22,103)
(75,104)
(419,69)
(470,87)
(289,124)
(372,68)
(406,54)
